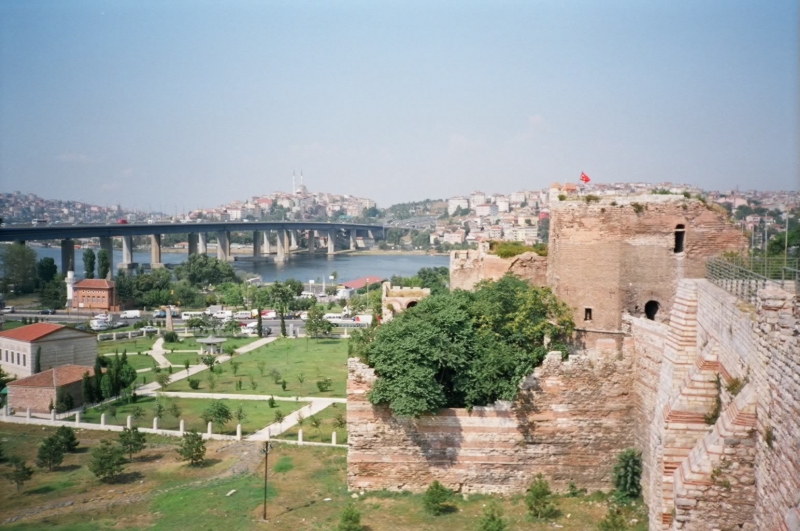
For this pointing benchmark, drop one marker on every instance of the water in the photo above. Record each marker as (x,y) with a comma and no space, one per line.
(303,267)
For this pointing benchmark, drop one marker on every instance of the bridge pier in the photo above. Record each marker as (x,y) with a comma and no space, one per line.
(293,236)
(67,256)
(193,240)
(353,237)
(202,243)
(223,245)
(331,242)
(127,252)
(283,246)
(155,251)
(265,244)
(312,241)
(107,245)
(257,239)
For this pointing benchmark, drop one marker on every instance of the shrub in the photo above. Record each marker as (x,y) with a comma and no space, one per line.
(735,385)
(628,474)
(108,461)
(350,519)
(492,519)
(591,198)
(339,421)
(511,249)
(279,416)
(638,207)
(324,384)
(253,383)
(613,521)
(192,448)
(711,417)
(573,491)
(271,402)
(562,197)
(276,376)
(50,454)
(19,473)
(538,499)
(194,383)
(434,501)
(769,436)
(66,437)
(171,337)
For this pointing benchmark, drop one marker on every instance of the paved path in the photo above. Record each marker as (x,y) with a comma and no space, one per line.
(234,396)
(317,405)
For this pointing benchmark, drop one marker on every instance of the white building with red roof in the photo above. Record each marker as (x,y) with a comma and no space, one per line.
(45,389)
(57,346)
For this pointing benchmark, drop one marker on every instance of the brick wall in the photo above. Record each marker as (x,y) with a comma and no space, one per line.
(569,423)
(39,398)
(467,268)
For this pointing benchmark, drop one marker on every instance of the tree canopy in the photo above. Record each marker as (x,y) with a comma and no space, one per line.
(204,270)
(465,349)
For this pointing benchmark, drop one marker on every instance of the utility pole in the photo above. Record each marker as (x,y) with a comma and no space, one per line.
(267,448)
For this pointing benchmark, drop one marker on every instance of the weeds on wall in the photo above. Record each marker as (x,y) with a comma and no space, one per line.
(638,207)
(769,436)
(735,385)
(628,475)
(713,415)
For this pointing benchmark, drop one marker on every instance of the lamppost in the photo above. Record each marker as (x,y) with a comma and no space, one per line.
(267,448)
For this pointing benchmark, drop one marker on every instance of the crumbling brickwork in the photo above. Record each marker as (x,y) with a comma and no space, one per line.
(467,268)
(571,420)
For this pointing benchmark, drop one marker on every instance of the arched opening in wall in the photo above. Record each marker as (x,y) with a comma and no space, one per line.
(680,235)
(411,304)
(651,309)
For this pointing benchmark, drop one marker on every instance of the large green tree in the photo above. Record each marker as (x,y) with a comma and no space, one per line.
(103,264)
(204,270)
(465,349)
(18,267)
(89,260)
(281,296)
(46,269)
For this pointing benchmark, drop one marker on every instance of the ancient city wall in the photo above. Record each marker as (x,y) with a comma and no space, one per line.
(570,421)
(467,268)
(615,255)
(742,471)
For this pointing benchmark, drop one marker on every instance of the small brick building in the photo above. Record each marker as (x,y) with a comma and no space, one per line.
(59,345)
(95,294)
(40,391)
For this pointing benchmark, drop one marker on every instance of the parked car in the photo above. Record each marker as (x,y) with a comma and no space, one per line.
(242,315)
(160,314)
(49,311)
(149,329)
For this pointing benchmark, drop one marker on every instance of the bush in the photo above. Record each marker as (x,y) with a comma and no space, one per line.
(324,385)
(538,499)
(562,197)
(271,402)
(638,207)
(628,474)
(66,437)
(171,337)
(591,198)
(613,521)
(50,454)
(108,461)
(192,448)
(492,519)
(350,519)
(434,501)
(194,383)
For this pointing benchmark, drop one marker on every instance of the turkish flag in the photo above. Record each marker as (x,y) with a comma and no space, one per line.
(585,178)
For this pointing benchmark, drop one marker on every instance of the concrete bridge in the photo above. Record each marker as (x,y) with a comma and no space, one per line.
(288,234)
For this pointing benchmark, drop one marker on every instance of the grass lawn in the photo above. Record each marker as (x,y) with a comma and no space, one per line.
(180,357)
(176,497)
(10,325)
(259,414)
(323,433)
(313,358)
(137,361)
(137,344)
(190,343)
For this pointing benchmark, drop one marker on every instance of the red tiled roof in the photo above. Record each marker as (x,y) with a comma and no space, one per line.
(55,377)
(31,332)
(94,283)
(361,282)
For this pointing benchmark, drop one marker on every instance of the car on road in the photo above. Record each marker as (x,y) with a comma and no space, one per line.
(47,311)
(122,221)
(8,309)
(149,329)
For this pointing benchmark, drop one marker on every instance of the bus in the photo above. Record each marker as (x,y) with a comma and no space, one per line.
(191,315)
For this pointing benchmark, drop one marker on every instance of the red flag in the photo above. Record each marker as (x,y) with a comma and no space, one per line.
(585,178)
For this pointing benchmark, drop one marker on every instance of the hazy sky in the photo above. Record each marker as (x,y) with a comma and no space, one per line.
(193,104)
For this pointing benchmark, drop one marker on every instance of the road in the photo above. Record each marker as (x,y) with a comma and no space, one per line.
(64,317)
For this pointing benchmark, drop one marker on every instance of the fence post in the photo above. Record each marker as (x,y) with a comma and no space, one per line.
(155,423)
(102,419)
(333,438)
(181,427)
(300,437)
(52,415)
(28,413)
(238,432)
(129,422)
(77,417)
(210,428)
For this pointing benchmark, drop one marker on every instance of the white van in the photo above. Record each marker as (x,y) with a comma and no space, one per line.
(99,325)
(243,315)
(191,315)
(130,314)
(223,314)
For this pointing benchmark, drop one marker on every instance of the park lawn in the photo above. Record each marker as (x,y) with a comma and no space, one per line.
(137,344)
(325,430)
(190,343)
(259,414)
(313,358)
(137,361)
(10,325)
(180,357)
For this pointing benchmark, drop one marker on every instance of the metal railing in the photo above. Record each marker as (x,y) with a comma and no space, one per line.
(744,277)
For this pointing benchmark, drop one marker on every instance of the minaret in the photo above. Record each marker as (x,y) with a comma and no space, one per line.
(293,188)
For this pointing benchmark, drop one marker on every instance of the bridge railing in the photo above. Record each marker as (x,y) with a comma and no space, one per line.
(744,277)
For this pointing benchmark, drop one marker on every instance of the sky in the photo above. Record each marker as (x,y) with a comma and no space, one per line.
(194,104)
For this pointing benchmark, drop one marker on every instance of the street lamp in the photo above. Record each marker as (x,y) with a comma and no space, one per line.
(267,448)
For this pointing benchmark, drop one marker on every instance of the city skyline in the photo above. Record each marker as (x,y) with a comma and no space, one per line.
(193,105)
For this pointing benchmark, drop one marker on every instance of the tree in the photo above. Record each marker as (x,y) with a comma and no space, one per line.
(281,296)
(132,441)
(5,378)
(259,324)
(350,519)
(89,260)
(108,461)
(316,323)
(218,413)
(103,264)
(37,362)
(175,410)
(492,519)
(137,413)
(53,294)
(434,501)
(163,379)
(106,387)
(538,499)
(159,410)
(239,414)
(46,269)
(203,270)
(18,268)
(66,437)
(628,474)
(50,454)
(192,448)
(19,473)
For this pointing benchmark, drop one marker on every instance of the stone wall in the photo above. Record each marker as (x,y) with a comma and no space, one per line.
(615,255)
(742,471)
(39,399)
(467,268)
(569,422)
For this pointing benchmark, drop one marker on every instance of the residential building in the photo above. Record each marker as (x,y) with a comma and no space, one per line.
(486,210)
(455,203)
(477,198)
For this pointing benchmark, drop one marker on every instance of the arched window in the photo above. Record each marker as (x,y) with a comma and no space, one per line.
(680,234)
(411,304)
(651,309)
